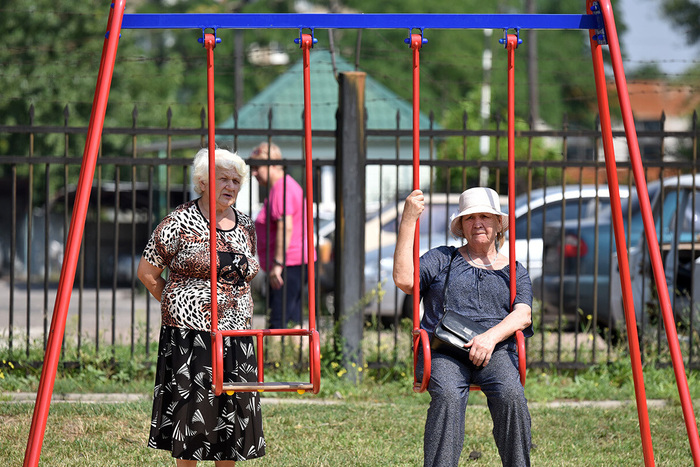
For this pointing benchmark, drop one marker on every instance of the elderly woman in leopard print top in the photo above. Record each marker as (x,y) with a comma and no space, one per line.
(188,419)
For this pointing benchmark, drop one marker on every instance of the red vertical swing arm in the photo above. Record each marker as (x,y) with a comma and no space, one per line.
(650,229)
(75,234)
(416,44)
(621,246)
(420,336)
(512,41)
(306,44)
(209,42)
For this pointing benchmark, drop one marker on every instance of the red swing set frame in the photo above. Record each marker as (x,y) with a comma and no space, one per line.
(217,336)
(420,336)
(599,20)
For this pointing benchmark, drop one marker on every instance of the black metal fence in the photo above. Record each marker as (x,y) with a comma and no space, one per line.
(145,173)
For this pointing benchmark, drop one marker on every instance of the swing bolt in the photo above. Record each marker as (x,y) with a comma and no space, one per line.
(107,33)
(599,35)
(300,40)
(201,39)
(409,40)
(504,41)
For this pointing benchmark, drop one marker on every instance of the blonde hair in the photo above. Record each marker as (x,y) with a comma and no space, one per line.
(224,159)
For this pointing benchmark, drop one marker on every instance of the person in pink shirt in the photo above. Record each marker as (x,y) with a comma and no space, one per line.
(282,244)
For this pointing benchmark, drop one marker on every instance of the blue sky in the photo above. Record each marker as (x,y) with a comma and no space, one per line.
(650,37)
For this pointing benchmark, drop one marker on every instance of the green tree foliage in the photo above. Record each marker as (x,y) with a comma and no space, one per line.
(686,15)
(50,57)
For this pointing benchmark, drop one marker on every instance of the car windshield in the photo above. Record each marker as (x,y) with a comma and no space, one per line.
(690,220)
(552,212)
(679,215)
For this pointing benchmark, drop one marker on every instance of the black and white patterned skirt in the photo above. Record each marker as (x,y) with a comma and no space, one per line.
(188,419)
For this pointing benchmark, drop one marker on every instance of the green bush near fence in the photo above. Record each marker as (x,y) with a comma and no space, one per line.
(120,370)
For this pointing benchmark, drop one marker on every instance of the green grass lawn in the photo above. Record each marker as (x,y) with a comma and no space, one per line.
(377,422)
(339,432)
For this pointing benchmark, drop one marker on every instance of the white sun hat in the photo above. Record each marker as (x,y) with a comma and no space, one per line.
(474,200)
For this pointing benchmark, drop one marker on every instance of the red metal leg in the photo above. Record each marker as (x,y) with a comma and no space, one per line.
(621,246)
(650,231)
(77,225)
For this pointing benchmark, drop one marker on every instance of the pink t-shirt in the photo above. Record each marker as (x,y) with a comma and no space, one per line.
(294,198)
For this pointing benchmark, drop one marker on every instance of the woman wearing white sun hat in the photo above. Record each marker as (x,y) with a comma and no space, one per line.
(478,289)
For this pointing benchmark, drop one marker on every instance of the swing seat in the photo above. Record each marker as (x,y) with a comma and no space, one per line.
(219,386)
(230,388)
(420,338)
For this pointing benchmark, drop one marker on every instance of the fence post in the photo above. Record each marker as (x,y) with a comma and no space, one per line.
(351,150)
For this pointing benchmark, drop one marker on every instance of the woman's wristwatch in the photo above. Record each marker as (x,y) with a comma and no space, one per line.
(278,263)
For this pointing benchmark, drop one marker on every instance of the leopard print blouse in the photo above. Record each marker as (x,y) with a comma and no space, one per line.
(181,243)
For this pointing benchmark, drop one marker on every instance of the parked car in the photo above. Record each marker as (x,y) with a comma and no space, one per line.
(380,243)
(577,264)
(545,205)
(676,212)
(531,213)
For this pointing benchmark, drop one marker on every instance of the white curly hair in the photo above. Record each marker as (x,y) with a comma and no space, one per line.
(224,159)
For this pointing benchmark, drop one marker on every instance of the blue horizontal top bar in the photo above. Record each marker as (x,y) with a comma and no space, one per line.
(355,21)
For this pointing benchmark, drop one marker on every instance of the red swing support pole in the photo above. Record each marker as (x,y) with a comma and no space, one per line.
(217,345)
(75,235)
(511,43)
(420,336)
(609,31)
(621,247)
(218,385)
(307,42)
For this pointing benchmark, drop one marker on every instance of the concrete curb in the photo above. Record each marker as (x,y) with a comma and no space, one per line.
(114,398)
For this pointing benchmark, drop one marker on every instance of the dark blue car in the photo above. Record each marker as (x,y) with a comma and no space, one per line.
(577,265)
(676,213)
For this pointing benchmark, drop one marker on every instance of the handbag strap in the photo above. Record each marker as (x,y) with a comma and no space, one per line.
(447,280)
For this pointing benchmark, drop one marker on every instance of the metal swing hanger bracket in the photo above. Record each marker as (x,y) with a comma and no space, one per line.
(600,36)
(202,40)
(504,39)
(300,40)
(415,40)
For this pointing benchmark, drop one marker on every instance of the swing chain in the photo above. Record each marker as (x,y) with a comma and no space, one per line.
(599,35)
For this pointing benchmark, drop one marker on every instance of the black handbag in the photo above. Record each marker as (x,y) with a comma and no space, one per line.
(454,330)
